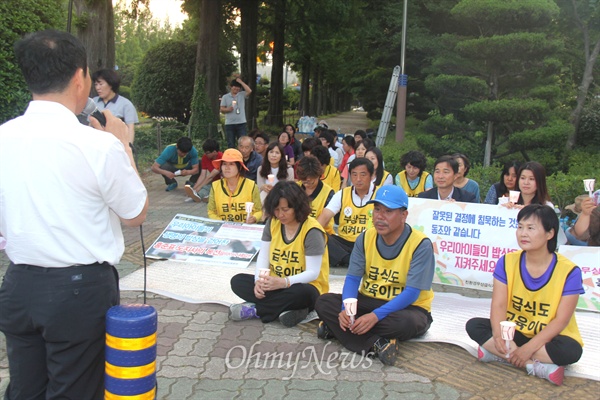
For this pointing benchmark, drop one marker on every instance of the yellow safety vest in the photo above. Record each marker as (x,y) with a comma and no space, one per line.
(385,279)
(331,177)
(418,189)
(354,219)
(288,258)
(533,310)
(232,206)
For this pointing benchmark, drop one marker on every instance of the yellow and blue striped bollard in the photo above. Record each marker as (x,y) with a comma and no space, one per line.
(130,372)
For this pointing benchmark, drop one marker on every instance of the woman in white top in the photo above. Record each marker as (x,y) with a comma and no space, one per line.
(273,164)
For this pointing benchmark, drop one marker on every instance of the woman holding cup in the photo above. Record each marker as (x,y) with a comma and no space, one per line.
(508,182)
(294,252)
(229,195)
(538,290)
(274,168)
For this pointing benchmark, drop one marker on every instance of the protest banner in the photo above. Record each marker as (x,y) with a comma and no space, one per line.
(205,241)
(468,239)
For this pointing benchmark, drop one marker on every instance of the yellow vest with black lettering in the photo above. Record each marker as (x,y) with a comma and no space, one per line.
(233,207)
(418,189)
(354,219)
(383,178)
(287,259)
(385,279)
(318,204)
(331,177)
(533,310)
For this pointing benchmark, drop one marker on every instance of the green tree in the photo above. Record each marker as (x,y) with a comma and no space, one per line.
(163,85)
(19,17)
(504,45)
(96,29)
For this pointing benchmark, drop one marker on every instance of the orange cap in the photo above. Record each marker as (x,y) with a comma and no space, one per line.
(230,155)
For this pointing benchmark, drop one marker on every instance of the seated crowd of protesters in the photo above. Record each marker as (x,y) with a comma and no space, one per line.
(324,206)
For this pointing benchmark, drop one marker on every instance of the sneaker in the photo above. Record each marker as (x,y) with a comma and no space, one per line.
(293,317)
(550,372)
(188,200)
(190,183)
(242,311)
(171,186)
(485,356)
(323,331)
(386,350)
(205,199)
(192,193)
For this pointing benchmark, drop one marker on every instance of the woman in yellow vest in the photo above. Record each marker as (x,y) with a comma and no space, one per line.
(538,290)
(382,177)
(292,269)
(229,195)
(414,179)
(309,171)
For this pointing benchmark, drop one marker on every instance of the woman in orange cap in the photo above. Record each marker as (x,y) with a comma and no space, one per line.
(229,195)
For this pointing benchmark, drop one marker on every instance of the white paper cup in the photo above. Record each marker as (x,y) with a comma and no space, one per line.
(513,196)
(502,200)
(178,172)
(271,179)
(508,329)
(249,207)
(350,305)
(589,185)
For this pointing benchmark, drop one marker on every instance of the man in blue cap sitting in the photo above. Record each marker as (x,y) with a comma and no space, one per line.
(390,273)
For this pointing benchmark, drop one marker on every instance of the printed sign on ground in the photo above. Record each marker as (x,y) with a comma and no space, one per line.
(206,241)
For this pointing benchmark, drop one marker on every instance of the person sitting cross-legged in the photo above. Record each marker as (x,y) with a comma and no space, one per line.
(294,252)
(390,273)
(538,290)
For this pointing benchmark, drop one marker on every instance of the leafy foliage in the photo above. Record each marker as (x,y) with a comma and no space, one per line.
(19,17)
(163,83)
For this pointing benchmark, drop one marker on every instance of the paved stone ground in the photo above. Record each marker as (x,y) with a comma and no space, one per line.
(203,355)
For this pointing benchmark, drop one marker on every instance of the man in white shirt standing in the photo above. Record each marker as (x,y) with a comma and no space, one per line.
(63,232)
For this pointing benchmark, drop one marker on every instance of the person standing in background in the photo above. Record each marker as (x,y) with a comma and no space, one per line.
(233,105)
(107,83)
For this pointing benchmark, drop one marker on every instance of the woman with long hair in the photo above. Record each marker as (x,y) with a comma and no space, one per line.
(508,182)
(538,290)
(382,177)
(229,195)
(292,268)
(273,164)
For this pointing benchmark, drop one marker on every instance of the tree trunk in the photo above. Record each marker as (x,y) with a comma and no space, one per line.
(248,53)
(274,116)
(207,56)
(313,109)
(582,92)
(96,29)
(305,89)
(487,157)
(205,100)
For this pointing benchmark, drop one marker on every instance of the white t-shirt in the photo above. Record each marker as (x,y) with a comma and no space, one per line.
(63,187)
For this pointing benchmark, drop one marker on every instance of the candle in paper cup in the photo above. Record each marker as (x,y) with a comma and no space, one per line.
(350,305)
(502,200)
(177,173)
(249,206)
(507,329)
(589,184)
(271,179)
(513,195)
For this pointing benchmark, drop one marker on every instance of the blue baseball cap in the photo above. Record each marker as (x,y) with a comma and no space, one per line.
(391,196)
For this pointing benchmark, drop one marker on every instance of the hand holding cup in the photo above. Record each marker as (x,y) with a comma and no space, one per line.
(350,305)
(507,329)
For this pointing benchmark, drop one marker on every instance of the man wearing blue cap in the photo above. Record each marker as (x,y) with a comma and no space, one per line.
(390,273)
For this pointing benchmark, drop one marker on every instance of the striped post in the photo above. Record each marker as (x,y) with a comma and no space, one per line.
(130,372)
